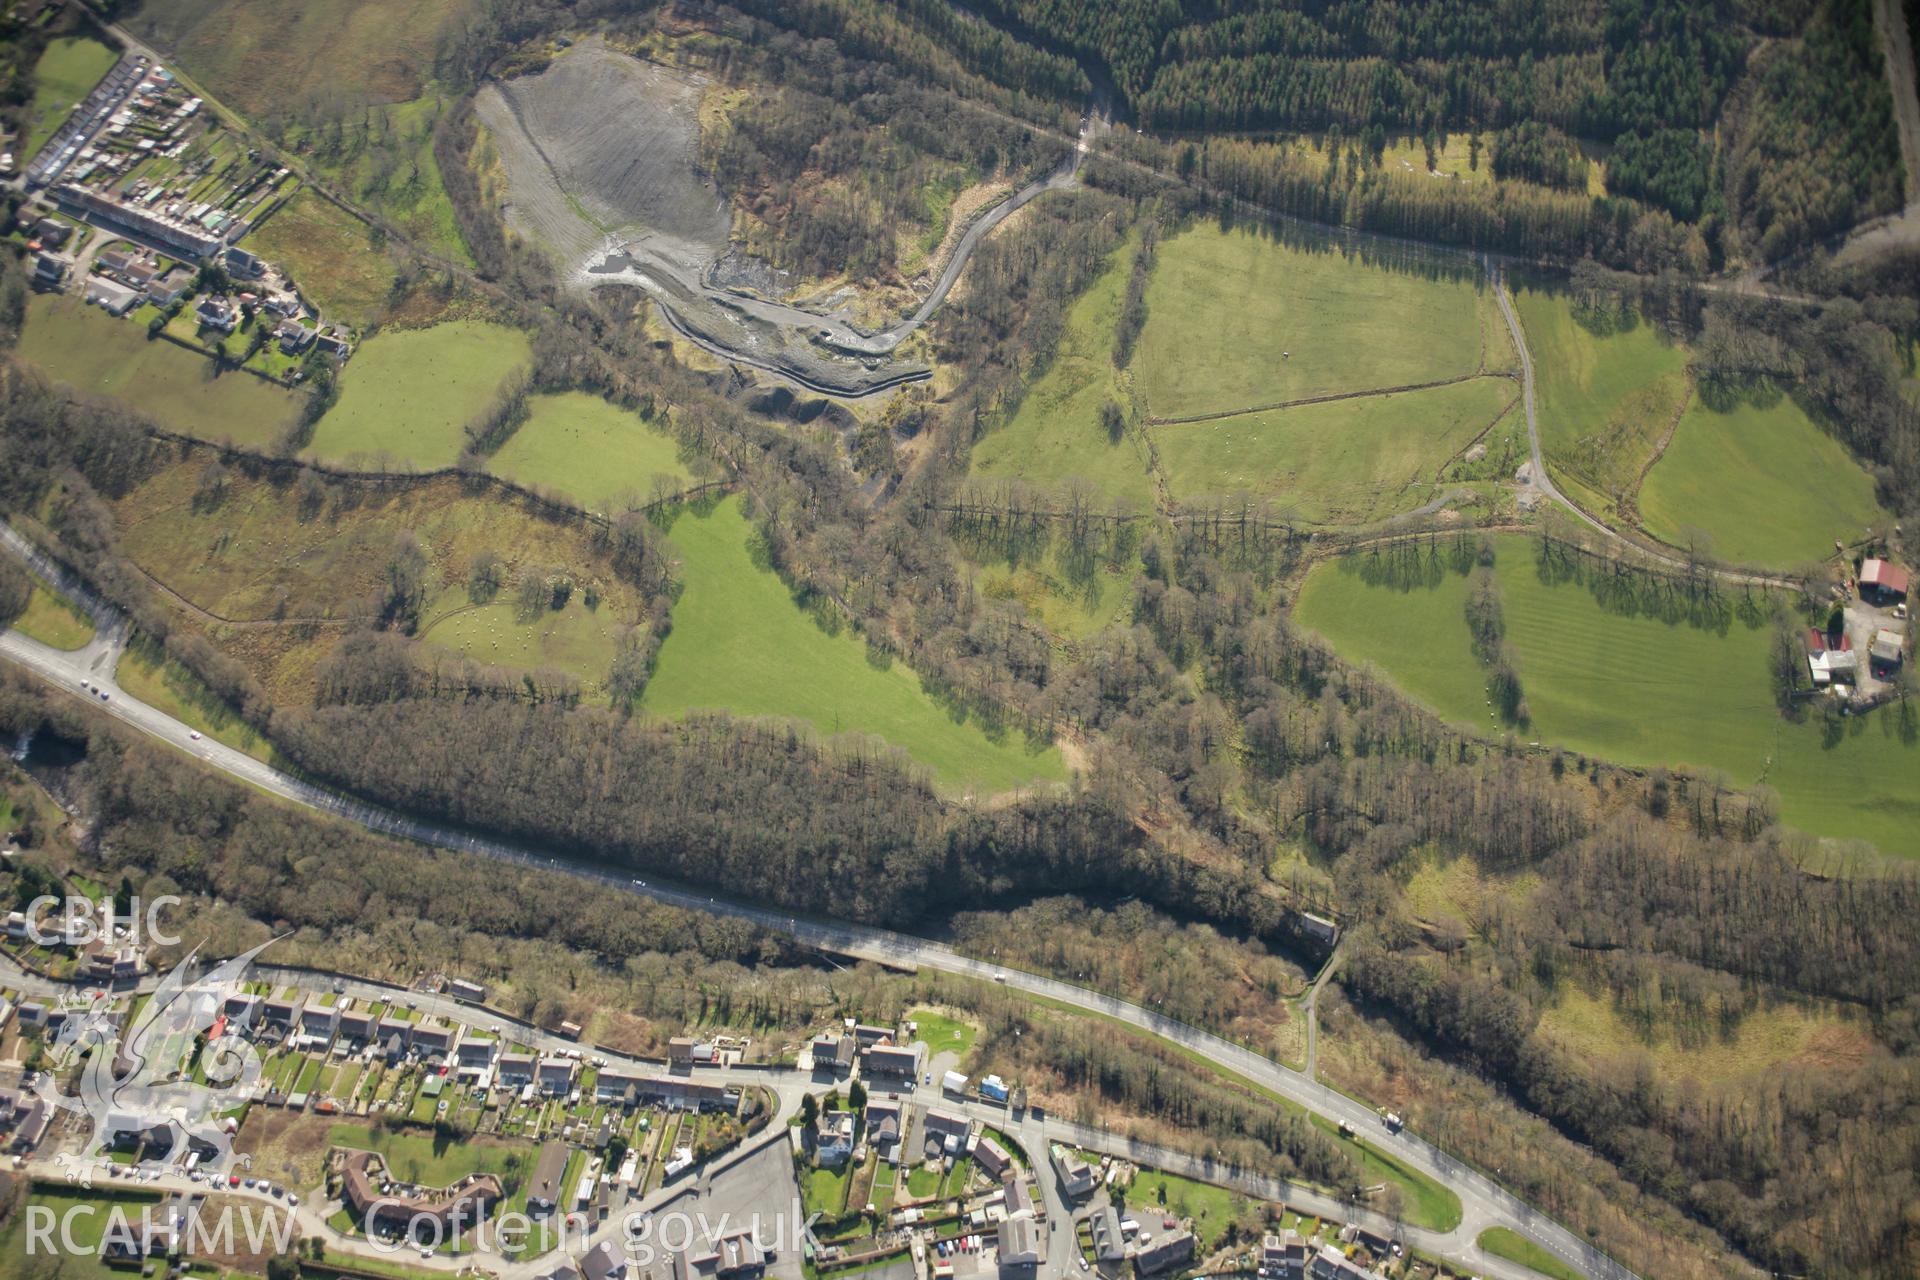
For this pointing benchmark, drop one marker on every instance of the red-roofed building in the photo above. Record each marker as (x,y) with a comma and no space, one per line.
(1830,658)
(1884,579)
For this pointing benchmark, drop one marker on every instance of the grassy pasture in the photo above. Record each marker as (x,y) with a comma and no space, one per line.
(1765,484)
(1457,889)
(1627,687)
(410,393)
(1346,461)
(1605,395)
(329,255)
(91,351)
(741,643)
(1222,307)
(575,639)
(1056,434)
(592,451)
(54,621)
(272,61)
(85,1220)
(68,69)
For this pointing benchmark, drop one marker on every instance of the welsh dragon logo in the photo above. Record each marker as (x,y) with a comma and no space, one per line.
(146,1079)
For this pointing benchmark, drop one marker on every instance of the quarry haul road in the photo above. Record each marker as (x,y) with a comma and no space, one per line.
(1484,1203)
(827,331)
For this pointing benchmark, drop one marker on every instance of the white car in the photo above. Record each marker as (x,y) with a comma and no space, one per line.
(194,734)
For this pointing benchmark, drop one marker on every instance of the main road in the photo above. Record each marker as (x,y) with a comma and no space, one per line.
(88,673)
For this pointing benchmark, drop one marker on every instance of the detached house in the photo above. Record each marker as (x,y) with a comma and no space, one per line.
(218,314)
(833,1139)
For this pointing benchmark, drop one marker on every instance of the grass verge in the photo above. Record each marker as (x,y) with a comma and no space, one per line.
(54,621)
(1514,1247)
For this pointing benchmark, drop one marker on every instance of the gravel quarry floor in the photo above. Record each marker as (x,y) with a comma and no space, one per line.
(601,152)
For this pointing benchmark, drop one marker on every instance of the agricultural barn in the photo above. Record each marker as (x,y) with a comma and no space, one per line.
(1883,580)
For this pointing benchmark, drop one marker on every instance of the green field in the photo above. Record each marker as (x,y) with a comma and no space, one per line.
(54,621)
(740,642)
(91,351)
(1056,434)
(1235,319)
(329,256)
(1762,482)
(1624,686)
(68,69)
(85,1220)
(593,452)
(574,639)
(1347,461)
(1514,1247)
(326,55)
(1605,393)
(409,394)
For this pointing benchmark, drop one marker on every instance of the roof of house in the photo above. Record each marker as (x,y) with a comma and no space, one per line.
(900,1061)
(1167,1251)
(1885,575)
(603,1261)
(943,1123)
(992,1156)
(1019,1241)
(100,289)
